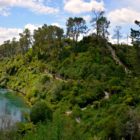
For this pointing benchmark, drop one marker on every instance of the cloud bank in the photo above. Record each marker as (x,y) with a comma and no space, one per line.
(36,6)
(81,6)
(123,16)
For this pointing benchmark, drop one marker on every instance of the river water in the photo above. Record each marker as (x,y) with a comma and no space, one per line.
(12,109)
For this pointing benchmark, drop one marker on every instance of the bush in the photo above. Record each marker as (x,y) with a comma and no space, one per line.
(44,79)
(40,112)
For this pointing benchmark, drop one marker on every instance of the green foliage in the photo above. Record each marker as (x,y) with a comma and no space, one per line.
(77,92)
(75,27)
(60,128)
(40,112)
(100,23)
(9,135)
(24,128)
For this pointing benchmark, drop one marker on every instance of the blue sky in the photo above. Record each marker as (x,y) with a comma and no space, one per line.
(16,15)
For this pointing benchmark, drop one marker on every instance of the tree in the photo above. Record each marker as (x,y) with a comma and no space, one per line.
(104,25)
(14,46)
(75,27)
(25,41)
(54,41)
(100,23)
(47,39)
(117,34)
(39,38)
(131,126)
(40,112)
(135,34)
(8,48)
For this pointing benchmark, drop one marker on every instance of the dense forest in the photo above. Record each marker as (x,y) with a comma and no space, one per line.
(86,89)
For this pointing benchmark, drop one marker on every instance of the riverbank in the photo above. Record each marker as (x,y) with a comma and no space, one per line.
(12,109)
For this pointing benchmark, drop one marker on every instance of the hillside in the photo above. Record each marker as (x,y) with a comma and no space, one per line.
(87,87)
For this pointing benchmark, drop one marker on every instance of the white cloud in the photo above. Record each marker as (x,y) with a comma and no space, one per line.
(134,4)
(9,33)
(81,6)
(56,24)
(36,6)
(123,16)
(87,18)
(4,11)
(122,40)
(32,27)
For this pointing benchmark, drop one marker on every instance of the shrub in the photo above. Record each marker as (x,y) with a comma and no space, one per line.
(40,112)
(44,79)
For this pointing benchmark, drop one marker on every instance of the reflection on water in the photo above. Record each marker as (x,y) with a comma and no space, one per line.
(9,112)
